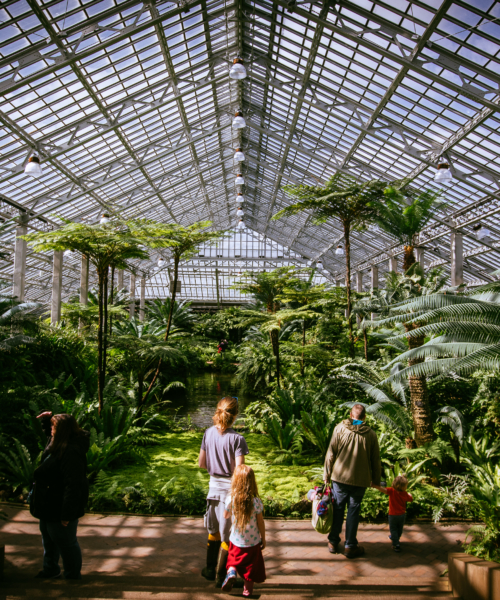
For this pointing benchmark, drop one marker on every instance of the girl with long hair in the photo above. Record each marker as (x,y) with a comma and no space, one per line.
(60,493)
(248,532)
(222,450)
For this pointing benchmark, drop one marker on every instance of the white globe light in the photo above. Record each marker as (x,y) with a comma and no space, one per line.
(239,213)
(33,167)
(240,198)
(339,251)
(443,173)
(238,121)
(241,224)
(239,180)
(161,263)
(68,253)
(239,156)
(238,70)
(319,265)
(104,219)
(483,233)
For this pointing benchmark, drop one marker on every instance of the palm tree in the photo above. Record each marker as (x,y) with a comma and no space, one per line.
(182,315)
(142,344)
(273,323)
(404,217)
(13,315)
(354,203)
(184,242)
(467,330)
(105,245)
(302,293)
(413,286)
(266,287)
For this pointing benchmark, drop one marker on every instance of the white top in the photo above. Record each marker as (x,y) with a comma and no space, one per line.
(250,536)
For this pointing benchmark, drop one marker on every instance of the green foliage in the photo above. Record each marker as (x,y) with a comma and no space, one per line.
(428,458)
(16,465)
(318,428)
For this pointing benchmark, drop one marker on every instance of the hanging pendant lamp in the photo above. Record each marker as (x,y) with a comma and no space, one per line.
(239,180)
(238,70)
(339,251)
(239,156)
(241,224)
(238,121)
(104,219)
(161,263)
(33,167)
(443,173)
(239,212)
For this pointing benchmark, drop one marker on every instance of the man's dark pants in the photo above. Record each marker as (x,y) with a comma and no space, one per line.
(59,540)
(350,496)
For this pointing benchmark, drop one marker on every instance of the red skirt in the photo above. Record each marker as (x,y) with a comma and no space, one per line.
(249,562)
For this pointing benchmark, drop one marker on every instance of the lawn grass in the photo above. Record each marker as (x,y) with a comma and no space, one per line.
(177,452)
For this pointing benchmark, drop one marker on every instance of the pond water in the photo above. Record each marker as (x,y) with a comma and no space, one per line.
(203,393)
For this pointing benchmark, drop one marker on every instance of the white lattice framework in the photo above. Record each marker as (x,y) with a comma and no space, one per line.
(129,106)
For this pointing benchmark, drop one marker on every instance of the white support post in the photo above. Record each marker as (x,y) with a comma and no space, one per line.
(84,285)
(142,302)
(393,264)
(132,295)
(457,258)
(18,287)
(119,278)
(55,305)
(421,256)
(359,281)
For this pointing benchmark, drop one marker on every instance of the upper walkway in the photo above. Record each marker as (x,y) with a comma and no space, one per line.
(161,557)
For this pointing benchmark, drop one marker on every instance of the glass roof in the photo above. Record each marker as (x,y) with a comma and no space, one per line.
(129,106)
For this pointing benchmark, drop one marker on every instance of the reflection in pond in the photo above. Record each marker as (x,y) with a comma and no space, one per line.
(203,393)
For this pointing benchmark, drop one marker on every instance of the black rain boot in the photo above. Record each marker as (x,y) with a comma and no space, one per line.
(220,571)
(213,547)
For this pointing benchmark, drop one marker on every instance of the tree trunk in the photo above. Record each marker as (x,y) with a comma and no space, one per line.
(302,366)
(167,333)
(365,342)
(348,286)
(112,299)
(410,444)
(100,373)
(409,258)
(419,397)
(105,327)
(275,342)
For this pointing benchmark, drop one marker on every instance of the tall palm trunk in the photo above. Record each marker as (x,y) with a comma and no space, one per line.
(365,343)
(275,343)
(167,332)
(419,397)
(112,299)
(409,258)
(302,366)
(347,231)
(102,334)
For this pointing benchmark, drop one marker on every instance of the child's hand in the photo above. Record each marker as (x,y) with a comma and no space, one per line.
(263,544)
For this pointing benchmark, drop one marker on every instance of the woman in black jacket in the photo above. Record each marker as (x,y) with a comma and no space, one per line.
(60,493)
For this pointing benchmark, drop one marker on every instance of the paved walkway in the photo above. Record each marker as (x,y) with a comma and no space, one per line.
(152,546)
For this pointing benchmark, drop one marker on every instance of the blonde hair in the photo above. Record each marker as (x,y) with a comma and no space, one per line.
(400,483)
(243,491)
(226,413)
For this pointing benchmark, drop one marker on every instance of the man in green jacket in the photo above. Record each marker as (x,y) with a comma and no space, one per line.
(352,464)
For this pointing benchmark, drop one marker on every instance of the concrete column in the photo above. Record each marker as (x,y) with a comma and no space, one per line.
(457,258)
(374,277)
(84,280)
(119,280)
(142,302)
(359,281)
(55,304)
(20,261)
(393,264)
(420,256)
(132,295)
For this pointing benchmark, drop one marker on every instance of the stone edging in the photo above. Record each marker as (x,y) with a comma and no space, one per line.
(472,578)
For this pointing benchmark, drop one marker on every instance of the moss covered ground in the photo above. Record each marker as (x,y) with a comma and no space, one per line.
(178,453)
